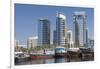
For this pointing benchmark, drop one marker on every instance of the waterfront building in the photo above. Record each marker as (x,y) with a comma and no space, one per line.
(69,39)
(16,43)
(60,31)
(19,47)
(32,42)
(22,46)
(80,32)
(91,43)
(43,32)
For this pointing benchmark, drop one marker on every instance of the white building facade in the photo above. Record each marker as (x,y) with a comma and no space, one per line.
(32,42)
(80,28)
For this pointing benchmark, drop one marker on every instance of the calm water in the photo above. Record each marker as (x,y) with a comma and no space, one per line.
(54,60)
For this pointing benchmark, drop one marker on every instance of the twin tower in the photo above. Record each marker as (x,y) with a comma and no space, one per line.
(61,35)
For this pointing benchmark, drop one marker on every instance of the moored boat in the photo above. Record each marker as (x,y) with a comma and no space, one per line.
(20,56)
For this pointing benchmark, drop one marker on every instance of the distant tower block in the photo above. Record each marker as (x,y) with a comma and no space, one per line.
(79,20)
(60,31)
(43,32)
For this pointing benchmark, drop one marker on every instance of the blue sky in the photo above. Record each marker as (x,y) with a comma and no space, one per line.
(27,15)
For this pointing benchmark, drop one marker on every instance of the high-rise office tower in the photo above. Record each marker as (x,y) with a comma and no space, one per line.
(43,32)
(60,31)
(79,20)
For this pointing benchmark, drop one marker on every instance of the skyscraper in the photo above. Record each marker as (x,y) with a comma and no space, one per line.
(60,32)
(43,32)
(79,20)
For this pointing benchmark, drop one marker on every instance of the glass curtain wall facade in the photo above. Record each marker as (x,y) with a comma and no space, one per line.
(80,29)
(44,32)
(60,32)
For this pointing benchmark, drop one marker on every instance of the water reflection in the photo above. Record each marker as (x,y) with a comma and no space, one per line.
(54,60)
(60,60)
